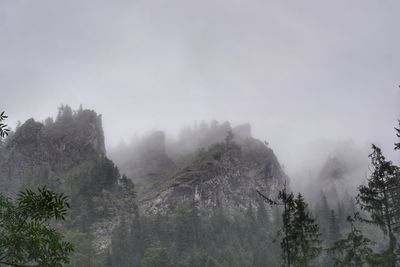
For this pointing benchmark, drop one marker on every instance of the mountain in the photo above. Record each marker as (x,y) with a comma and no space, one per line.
(226,176)
(68,155)
(212,165)
(41,149)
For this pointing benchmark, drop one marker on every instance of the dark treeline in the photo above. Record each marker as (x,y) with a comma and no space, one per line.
(185,238)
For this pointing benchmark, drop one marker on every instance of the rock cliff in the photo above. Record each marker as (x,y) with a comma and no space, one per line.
(68,156)
(226,176)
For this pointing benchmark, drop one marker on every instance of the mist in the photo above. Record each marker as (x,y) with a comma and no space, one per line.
(315,72)
(199,133)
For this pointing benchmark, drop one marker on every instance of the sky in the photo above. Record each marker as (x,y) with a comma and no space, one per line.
(305,74)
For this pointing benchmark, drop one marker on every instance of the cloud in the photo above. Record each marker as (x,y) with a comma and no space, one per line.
(297,71)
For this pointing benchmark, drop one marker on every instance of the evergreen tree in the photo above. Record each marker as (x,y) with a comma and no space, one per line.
(353,250)
(199,259)
(397,145)
(379,198)
(306,234)
(121,249)
(334,229)
(155,256)
(299,232)
(323,214)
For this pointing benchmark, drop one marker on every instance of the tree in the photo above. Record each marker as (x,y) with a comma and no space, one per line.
(353,250)
(156,255)
(334,230)
(306,234)
(299,232)
(397,145)
(379,198)
(3,127)
(229,138)
(322,212)
(26,235)
(199,259)
(121,245)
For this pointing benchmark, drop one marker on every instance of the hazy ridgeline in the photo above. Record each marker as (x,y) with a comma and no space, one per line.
(254,123)
(197,200)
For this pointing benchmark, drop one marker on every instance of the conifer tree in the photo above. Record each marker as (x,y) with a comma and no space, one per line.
(322,212)
(379,199)
(306,234)
(334,230)
(121,246)
(353,250)
(397,145)
(299,232)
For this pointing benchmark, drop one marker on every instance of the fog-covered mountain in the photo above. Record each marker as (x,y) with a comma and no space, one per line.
(163,193)
(68,156)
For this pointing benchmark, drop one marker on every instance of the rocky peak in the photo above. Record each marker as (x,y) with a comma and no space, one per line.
(68,155)
(36,149)
(82,128)
(225,176)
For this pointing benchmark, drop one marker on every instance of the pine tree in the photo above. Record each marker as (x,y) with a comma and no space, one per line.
(156,255)
(323,214)
(299,232)
(379,198)
(306,234)
(121,246)
(353,250)
(397,145)
(334,230)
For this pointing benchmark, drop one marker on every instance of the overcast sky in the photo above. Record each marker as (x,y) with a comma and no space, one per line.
(298,71)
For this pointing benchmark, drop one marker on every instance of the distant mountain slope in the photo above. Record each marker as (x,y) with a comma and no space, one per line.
(226,176)
(213,167)
(68,155)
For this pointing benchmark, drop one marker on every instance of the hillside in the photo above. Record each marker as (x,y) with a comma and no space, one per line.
(68,156)
(218,170)
(226,176)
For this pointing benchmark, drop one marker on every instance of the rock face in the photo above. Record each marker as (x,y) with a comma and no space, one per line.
(38,149)
(215,167)
(225,176)
(211,165)
(68,156)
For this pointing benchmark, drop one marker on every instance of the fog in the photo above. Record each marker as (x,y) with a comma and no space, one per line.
(307,75)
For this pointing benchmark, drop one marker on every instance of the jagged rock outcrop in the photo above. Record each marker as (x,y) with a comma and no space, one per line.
(222,167)
(212,165)
(68,156)
(225,176)
(38,150)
